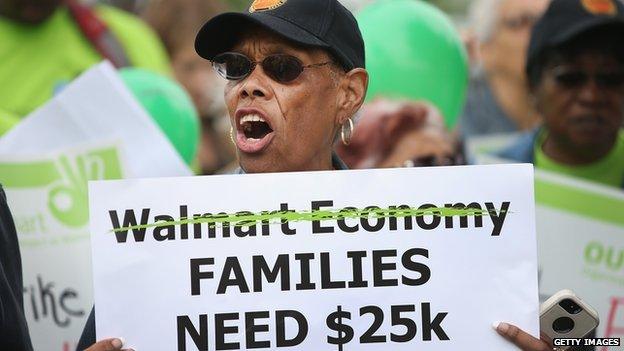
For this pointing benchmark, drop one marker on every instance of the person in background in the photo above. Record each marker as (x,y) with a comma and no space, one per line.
(44,44)
(176,22)
(399,134)
(498,99)
(576,74)
(13,328)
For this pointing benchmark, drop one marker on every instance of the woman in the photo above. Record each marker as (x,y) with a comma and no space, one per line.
(577,81)
(291,90)
(296,79)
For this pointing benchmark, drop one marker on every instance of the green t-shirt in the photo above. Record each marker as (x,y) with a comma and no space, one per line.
(609,170)
(36,60)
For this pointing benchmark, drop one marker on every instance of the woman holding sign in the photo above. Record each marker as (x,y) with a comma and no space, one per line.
(296,79)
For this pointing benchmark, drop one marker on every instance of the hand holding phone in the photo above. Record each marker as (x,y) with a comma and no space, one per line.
(565,315)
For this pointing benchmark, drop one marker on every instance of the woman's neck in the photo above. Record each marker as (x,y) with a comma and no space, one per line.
(567,154)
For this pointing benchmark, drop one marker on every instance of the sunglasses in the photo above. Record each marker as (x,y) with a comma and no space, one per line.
(281,68)
(575,78)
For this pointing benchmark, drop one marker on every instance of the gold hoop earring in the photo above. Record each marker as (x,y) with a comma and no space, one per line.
(346,137)
(232,136)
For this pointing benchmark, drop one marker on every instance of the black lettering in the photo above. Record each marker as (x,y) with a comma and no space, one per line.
(326,282)
(285,224)
(377,216)
(265,224)
(498,219)
(66,295)
(170,228)
(356,259)
(403,212)
(280,317)
(183,226)
(199,337)
(251,328)
(306,281)
(221,330)
(316,225)
(428,325)
(420,219)
(129,221)
(341,221)
(199,221)
(379,267)
(281,269)
(197,275)
(250,225)
(423,269)
(232,266)
(463,219)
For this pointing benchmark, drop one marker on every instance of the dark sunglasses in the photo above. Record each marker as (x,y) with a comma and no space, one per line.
(281,68)
(576,78)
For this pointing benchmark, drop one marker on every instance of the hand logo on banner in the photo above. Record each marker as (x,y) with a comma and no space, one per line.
(67,200)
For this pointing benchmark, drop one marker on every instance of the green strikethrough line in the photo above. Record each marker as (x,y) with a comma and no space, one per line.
(246,219)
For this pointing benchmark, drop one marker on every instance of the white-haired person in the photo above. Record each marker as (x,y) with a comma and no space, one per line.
(498,99)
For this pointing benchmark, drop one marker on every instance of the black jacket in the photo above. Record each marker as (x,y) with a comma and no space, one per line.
(13,328)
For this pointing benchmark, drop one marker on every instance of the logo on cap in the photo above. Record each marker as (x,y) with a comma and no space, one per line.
(600,7)
(265,5)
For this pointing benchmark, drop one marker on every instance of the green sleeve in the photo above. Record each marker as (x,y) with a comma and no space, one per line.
(143,47)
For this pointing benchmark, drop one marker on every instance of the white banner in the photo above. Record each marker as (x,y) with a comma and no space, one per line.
(581,246)
(580,235)
(401,259)
(45,162)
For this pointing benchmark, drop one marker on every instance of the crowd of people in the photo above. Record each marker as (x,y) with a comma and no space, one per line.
(275,95)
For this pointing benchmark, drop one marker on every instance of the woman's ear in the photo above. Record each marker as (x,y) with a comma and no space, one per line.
(353,89)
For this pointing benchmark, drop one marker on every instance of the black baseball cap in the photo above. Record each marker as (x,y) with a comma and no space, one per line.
(317,23)
(564,20)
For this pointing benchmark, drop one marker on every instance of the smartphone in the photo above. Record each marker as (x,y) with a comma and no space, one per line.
(565,315)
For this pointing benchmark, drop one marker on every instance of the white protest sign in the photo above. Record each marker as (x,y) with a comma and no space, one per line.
(580,235)
(47,196)
(97,106)
(45,162)
(581,245)
(398,278)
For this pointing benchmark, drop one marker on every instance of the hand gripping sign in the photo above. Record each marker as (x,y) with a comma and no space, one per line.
(404,259)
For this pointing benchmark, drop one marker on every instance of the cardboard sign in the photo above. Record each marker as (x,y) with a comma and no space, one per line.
(401,259)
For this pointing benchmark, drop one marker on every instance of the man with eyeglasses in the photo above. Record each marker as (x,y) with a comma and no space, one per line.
(498,99)
(575,71)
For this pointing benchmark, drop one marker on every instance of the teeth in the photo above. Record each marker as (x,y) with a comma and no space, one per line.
(251,118)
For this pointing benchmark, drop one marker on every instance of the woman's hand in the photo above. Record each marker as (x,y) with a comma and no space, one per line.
(114,344)
(521,339)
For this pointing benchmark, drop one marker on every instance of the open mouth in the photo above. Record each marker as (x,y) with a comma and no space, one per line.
(255,127)
(254,133)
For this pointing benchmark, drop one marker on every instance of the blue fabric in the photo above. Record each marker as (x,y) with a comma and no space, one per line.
(482,114)
(522,149)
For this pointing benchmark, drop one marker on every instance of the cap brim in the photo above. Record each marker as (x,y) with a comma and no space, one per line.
(585,26)
(223,31)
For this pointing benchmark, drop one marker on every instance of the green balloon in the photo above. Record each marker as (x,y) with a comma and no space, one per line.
(170,107)
(7,121)
(413,51)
